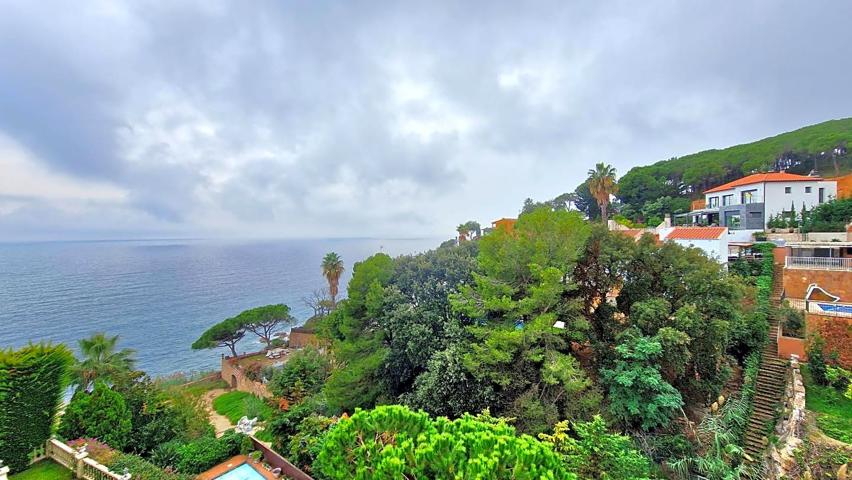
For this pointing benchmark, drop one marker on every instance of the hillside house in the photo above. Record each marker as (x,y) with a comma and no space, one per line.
(746,205)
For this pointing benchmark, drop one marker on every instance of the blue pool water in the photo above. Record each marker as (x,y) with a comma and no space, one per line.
(243,472)
(160,295)
(831,307)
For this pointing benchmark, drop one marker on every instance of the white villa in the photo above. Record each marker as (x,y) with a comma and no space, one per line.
(746,204)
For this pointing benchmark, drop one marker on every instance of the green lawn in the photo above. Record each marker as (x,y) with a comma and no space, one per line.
(834,411)
(205,386)
(235,405)
(44,470)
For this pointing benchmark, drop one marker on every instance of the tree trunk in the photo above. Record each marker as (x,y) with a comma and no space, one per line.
(232,346)
(603,212)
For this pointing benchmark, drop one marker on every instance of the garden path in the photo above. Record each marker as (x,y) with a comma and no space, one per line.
(220,423)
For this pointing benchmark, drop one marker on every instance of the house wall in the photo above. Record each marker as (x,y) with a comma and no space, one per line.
(737,191)
(777,201)
(716,249)
(838,283)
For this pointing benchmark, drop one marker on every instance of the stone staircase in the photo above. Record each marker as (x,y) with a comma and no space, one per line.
(771,380)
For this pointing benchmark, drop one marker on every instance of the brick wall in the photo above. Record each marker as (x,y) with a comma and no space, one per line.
(837,332)
(237,380)
(838,283)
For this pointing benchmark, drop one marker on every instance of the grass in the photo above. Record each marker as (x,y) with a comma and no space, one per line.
(44,470)
(235,405)
(833,410)
(203,387)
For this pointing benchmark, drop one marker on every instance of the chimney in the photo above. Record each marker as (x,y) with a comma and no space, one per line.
(667,222)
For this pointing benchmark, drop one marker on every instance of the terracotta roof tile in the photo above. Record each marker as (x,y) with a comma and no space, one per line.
(764,177)
(696,233)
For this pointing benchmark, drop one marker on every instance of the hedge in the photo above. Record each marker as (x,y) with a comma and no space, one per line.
(32,381)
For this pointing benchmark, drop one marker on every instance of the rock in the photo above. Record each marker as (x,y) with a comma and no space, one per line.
(714,407)
(721,400)
(841,472)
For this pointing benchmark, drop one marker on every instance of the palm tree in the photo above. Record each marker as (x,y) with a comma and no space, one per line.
(463,230)
(602,185)
(101,360)
(332,268)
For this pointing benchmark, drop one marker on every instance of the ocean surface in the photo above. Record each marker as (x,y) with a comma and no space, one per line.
(160,295)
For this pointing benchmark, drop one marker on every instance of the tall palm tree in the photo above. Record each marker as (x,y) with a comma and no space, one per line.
(101,360)
(332,268)
(602,185)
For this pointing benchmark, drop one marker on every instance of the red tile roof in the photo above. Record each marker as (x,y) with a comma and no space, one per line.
(696,233)
(764,177)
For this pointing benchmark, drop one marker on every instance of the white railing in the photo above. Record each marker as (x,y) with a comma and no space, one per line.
(819,263)
(61,454)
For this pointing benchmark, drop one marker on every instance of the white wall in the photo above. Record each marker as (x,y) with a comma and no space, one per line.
(777,201)
(716,249)
(736,191)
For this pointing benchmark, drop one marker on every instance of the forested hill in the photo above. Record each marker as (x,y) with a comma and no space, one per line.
(821,147)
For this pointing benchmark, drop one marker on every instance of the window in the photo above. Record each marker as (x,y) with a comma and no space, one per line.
(748,196)
(807,189)
(733,220)
(728,199)
(788,189)
(821,195)
(714,202)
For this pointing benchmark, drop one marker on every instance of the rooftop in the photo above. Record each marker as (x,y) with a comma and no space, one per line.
(696,233)
(764,177)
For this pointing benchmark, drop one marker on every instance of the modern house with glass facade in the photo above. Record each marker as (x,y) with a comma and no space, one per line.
(749,202)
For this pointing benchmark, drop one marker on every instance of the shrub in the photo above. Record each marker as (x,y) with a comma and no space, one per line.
(198,455)
(304,374)
(395,442)
(816,359)
(141,469)
(792,321)
(102,414)
(98,451)
(32,381)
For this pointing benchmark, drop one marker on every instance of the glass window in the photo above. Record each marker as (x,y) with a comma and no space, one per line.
(728,199)
(807,189)
(733,220)
(714,202)
(749,196)
(788,189)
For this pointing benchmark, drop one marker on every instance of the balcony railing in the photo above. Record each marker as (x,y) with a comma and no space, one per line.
(819,263)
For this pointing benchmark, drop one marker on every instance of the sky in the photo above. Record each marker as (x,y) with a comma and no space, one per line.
(272,119)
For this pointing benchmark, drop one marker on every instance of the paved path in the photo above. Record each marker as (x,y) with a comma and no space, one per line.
(220,423)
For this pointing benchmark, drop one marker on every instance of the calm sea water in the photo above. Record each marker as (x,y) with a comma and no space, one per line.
(159,296)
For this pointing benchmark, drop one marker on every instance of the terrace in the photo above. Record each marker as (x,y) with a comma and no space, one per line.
(820,256)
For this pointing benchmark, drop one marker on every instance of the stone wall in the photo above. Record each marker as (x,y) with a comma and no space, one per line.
(790,428)
(838,283)
(236,378)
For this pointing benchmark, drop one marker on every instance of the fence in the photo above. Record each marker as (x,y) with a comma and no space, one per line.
(819,263)
(74,460)
(277,461)
(826,309)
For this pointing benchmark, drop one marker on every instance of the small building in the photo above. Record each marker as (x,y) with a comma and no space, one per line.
(506,224)
(712,240)
(747,204)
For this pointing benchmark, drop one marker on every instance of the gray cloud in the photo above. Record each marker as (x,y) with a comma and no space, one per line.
(372,118)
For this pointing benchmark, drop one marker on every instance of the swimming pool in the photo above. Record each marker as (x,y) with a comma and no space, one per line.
(835,308)
(243,472)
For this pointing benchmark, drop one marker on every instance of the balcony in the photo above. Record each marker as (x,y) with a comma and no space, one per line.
(819,263)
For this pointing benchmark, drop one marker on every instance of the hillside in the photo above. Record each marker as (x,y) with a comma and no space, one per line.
(799,151)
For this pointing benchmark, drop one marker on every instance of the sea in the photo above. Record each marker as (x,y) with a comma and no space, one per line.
(158,296)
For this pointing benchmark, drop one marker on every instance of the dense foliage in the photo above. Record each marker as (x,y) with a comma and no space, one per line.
(394,442)
(101,414)
(32,381)
(832,216)
(262,321)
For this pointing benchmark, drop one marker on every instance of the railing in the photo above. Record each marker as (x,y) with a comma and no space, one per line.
(61,454)
(827,308)
(819,263)
(93,470)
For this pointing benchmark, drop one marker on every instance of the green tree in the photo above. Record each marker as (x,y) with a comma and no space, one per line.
(304,374)
(638,394)
(102,414)
(591,451)
(32,381)
(332,269)
(101,359)
(263,321)
(395,442)
(602,185)
(226,333)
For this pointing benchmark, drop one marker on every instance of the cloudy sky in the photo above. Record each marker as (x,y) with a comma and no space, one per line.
(346,118)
